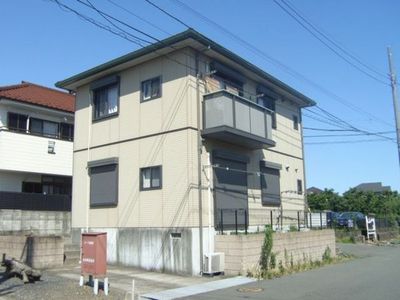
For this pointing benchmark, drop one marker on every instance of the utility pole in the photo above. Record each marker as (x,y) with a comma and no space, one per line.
(393,82)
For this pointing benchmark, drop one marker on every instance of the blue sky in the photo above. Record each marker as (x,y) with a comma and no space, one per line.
(43,44)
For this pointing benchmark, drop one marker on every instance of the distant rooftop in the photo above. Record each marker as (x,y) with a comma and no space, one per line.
(39,95)
(372,187)
(314,190)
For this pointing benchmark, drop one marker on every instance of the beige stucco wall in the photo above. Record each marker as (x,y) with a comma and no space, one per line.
(134,136)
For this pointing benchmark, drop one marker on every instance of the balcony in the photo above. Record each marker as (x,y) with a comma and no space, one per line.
(236,120)
(31,201)
(24,152)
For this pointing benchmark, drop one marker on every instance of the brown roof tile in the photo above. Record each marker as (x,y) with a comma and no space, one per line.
(39,95)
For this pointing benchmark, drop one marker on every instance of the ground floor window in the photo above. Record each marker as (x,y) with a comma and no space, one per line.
(270,186)
(230,190)
(150,178)
(103,185)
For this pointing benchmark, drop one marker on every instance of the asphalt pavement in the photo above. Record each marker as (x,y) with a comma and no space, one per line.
(374,274)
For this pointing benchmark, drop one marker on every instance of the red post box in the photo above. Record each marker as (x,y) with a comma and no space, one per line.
(94,254)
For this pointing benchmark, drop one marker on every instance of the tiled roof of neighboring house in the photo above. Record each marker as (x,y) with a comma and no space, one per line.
(372,187)
(39,95)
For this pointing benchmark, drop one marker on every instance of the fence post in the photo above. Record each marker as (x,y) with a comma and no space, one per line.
(281,219)
(320,220)
(222,221)
(310,214)
(245,221)
(272,222)
(236,222)
(298,220)
(305,219)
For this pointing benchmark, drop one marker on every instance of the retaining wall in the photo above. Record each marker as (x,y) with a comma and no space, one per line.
(242,252)
(14,221)
(37,251)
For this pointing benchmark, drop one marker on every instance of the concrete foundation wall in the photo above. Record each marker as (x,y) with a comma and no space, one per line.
(39,252)
(242,252)
(153,248)
(13,221)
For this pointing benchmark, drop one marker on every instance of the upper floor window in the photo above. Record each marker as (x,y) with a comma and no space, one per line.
(295,122)
(17,122)
(268,102)
(151,89)
(299,186)
(105,101)
(150,178)
(66,131)
(44,128)
(229,79)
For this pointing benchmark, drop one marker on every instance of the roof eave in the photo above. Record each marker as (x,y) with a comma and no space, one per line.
(72,82)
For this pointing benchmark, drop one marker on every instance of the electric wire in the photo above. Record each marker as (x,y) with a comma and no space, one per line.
(139,17)
(300,19)
(346,142)
(281,65)
(104,15)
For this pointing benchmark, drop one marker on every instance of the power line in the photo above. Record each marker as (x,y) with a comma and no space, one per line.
(332,41)
(139,17)
(119,21)
(280,65)
(123,35)
(351,126)
(232,35)
(326,129)
(326,44)
(346,142)
(105,15)
(345,135)
(167,13)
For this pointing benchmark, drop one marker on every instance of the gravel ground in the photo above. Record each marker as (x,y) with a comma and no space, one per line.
(50,287)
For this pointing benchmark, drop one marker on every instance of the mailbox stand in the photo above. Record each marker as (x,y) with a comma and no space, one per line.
(94,259)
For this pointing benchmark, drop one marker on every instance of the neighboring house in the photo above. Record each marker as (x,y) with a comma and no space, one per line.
(376,187)
(157,123)
(314,190)
(36,137)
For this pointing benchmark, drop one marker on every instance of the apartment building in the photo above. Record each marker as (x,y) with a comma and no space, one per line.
(156,124)
(36,137)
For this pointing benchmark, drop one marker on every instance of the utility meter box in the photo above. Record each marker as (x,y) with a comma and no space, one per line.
(94,253)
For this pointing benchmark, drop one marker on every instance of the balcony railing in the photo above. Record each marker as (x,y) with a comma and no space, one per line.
(236,120)
(33,201)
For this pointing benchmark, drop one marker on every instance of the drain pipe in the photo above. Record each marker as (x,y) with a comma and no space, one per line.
(209,212)
(199,150)
(88,158)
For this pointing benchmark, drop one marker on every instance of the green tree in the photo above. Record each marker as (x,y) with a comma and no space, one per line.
(324,201)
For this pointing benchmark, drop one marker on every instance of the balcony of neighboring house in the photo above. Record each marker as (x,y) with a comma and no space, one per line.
(234,119)
(41,147)
(35,201)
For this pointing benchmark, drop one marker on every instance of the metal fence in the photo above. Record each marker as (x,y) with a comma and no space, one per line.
(240,220)
(35,201)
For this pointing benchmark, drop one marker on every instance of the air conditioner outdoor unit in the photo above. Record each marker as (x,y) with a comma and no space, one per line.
(214,263)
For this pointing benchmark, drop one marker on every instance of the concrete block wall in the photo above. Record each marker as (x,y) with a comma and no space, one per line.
(13,221)
(242,252)
(39,252)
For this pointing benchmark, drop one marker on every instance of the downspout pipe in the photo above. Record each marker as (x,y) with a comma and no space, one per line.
(199,166)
